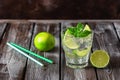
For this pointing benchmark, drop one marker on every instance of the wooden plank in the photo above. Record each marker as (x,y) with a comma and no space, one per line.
(2,29)
(50,71)
(51,21)
(3,68)
(105,38)
(117,27)
(67,73)
(12,64)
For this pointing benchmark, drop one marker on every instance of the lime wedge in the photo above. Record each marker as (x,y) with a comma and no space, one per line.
(81,53)
(87,28)
(69,40)
(99,59)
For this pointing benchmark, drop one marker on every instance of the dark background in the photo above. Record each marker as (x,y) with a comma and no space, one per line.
(59,9)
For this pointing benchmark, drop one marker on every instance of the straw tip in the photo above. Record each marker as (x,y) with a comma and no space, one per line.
(7,43)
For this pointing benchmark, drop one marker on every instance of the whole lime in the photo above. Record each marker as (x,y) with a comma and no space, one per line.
(44,41)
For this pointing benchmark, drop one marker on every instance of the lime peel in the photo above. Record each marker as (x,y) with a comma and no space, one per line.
(44,41)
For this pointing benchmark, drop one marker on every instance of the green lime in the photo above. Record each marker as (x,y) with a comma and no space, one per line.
(81,53)
(99,59)
(69,40)
(44,41)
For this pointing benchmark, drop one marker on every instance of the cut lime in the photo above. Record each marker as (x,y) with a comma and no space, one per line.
(99,59)
(81,53)
(70,55)
(87,28)
(69,40)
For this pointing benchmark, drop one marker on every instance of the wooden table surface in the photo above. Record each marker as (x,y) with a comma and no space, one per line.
(14,66)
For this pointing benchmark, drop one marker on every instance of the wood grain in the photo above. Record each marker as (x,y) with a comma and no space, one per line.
(14,66)
(3,70)
(67,73)
(50,71)
(105,38)
(2,29)
(12,63)
(117,28)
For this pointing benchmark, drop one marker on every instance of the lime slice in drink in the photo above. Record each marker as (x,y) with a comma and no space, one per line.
(70,55)
(87,28)
(82,53)
(69,40)
(99,59)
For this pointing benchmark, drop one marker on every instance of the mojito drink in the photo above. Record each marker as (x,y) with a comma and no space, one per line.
(77,45)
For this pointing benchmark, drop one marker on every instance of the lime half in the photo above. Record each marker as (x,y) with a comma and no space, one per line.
(69,40)
(99,59)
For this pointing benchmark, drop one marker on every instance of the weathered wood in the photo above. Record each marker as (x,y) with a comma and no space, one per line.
(3,68)
(117,27)
(67,73)
(105,38)
(50,71)
(14,66)
(51,21)
(12,63)
(2,29)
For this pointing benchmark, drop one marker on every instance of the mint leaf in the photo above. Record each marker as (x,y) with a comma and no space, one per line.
(84,33)
(72,30)
(80,27)
(79,31)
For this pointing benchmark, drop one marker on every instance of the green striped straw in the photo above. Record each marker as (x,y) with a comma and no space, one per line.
(32,53)
(25,54)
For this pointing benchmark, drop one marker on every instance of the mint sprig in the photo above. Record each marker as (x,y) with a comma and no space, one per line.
(79,31)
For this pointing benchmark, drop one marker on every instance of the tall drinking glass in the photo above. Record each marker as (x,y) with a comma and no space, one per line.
(77,49)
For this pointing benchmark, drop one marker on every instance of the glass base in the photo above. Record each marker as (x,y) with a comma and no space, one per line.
(83,65)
